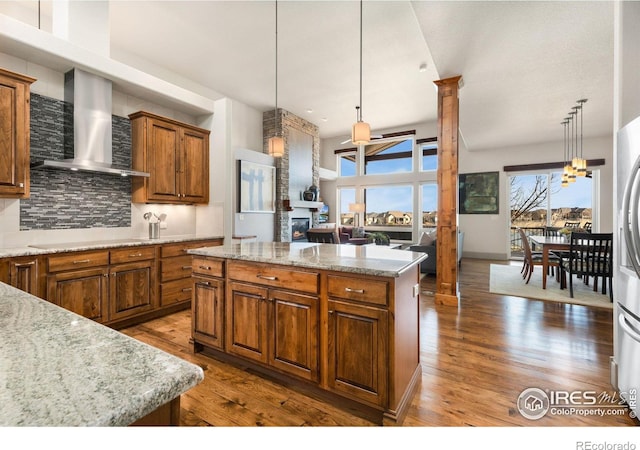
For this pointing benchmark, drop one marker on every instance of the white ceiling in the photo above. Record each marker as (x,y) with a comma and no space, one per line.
(523,63)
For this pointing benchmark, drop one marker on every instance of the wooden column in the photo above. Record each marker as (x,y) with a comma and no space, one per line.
(447,228)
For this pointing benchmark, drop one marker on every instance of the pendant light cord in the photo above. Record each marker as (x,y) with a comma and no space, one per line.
(275,111)
(360,108)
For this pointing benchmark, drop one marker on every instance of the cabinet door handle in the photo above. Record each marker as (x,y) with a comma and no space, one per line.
(82,261)
(187,289)
(355,291)
(203,283)
(331,311)
(186,267)
(135,255)
(264,277)
(204,267)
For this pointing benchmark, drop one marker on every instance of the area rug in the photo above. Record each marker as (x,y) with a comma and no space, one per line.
(507,280)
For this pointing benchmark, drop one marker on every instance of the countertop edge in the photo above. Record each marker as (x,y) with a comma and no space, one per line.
(98,245)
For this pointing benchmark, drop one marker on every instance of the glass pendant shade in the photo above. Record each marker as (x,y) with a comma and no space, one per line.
(276,146)
(360,133)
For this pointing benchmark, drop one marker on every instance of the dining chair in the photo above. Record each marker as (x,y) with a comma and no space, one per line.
(532,259)
(590,255)
(587,227)
(322,235)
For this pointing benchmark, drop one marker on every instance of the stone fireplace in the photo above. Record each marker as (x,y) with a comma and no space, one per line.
(296,170)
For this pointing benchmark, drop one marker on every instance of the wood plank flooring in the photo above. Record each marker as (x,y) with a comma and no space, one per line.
(476,360)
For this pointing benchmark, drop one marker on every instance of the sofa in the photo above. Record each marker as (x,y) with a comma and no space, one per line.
(346,235)
(428,245)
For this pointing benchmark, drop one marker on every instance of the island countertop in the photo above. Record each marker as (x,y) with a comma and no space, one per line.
(60,369)
(378,260)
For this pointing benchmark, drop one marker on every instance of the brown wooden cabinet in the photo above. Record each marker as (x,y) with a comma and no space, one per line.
(79,282)
(177,157)
(352,335)
(14,134)
(207,311)
(175,271)
(23,273)
(208,303)
(357,351)
(132,282)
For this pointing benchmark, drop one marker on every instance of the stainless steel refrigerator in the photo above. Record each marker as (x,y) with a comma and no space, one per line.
(625,367)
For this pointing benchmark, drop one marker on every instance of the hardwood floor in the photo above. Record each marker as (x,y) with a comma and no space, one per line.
(476,360)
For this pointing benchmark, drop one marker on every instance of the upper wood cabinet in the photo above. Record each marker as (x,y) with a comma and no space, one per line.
(14,134)
(177,157)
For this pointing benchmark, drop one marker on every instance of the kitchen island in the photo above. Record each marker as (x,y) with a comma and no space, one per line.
(60,369)
(342,320)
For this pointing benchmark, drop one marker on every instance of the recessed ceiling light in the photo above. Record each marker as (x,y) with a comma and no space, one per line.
(309,110)
(423,67)
(324,119)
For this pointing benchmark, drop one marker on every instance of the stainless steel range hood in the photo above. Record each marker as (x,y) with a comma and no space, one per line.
(92,136)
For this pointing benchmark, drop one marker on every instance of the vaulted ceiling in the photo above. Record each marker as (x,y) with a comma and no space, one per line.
(524,63)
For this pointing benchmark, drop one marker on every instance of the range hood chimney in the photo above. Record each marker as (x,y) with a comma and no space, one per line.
(91,99)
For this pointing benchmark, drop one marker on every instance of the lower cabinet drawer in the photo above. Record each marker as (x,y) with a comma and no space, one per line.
(360,289)
(269,275)
(208,267)
(175,268)
(74,261)
(175,291)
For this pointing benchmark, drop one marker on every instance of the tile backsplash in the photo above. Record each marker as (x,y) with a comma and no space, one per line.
(63,199)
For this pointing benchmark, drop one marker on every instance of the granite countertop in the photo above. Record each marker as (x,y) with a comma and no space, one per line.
(60,369)
(377,260)
(46,248)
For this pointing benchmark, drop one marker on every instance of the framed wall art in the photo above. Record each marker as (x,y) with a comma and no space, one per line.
(479,193)
(257,187)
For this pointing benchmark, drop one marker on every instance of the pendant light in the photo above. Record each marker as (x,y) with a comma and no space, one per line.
(276,142)
(565,174)
(582,163)
(361,131)
(572,171)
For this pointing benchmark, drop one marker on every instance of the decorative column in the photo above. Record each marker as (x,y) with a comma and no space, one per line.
(447,292)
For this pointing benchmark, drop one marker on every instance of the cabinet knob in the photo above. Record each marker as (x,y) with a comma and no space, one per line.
(186,267)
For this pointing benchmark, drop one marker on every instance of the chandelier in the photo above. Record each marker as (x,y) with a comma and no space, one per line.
(574,163)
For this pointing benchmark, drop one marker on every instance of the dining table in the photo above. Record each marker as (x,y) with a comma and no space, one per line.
(549,243)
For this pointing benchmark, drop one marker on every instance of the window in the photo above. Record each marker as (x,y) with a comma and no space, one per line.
(346,196)
(396,184)
(429,156)
(392,156)
(537,200)
(429,208)
(389,206)
(347,164)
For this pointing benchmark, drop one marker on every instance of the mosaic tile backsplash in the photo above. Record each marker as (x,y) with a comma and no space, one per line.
(62,199)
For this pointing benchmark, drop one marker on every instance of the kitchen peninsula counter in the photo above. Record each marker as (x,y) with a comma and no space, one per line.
(378,260)
(60,369)
(342,320)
